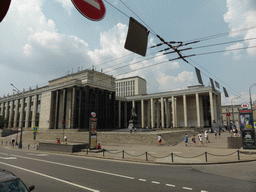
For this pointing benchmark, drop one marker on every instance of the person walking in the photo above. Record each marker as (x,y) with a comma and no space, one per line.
(194,140)
(215,133)
(13,140)
(186,139)
(201,140)
(206,137)
(159,139)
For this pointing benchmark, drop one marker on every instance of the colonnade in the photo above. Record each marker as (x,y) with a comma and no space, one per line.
(21,112)
(187,110)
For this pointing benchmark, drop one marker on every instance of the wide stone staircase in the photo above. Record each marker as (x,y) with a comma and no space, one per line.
(169,137)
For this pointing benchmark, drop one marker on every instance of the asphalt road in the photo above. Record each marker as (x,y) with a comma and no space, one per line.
(58,172)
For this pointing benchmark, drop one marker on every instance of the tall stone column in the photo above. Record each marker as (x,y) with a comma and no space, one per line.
(211,107)
(21,112)
(157,113)
(148,114)
(173,112)
(73,109)
(133,104)
(215,106)
(167,112)
(27,112)
(142,114)
(2,109)
(64,108)
(11,114)
(185,111)
(33,123)
(16,113)
(79,125)
(7,110)
(152,113)
(198,111)
(162,112)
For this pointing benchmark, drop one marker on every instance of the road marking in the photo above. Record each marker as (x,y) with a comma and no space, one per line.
(8,158)
(4,153)
(76,167)
(142,180)
(187,188)
(170,185)
(36,154)
(57,179)
(155,182)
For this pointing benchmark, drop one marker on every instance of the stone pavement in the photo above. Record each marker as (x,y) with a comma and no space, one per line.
(210,153)
(217,152)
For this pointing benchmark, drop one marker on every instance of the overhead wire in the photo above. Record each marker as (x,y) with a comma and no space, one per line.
(154,33)
(213,76)
(188,42)
(195,40)
(222,34)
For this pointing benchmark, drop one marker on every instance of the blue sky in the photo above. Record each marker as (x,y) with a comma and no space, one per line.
(42,40)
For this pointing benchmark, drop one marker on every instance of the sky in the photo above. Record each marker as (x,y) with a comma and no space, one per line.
(41,40)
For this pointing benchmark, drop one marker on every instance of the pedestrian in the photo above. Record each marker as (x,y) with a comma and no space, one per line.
(135,129)
(186,139)
(159,139)
(58,140)
(219,133)
(199,135)
(194,140)
(13,140)
(215,133)
(206,137)
(201,140)
(98,146)
(65,138)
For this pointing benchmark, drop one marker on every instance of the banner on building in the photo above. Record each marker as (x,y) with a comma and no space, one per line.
(199,77)
(217,84)
(212,84)
(225,92)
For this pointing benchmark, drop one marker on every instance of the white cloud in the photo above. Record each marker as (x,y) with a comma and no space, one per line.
(45,54)
(242,14)
(236,53)
(67,4)
(167,82)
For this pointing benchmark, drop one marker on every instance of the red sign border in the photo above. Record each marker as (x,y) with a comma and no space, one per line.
(102,7)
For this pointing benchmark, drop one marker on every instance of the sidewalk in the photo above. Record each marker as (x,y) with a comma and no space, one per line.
(217,152)
(210,153)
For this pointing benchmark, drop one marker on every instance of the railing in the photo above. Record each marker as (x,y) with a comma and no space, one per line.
(10,144)
(146,154)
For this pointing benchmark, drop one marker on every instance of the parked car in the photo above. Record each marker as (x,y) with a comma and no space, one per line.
(10,182)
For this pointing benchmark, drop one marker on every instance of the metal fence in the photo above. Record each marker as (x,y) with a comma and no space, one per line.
(10,144)
(173,155)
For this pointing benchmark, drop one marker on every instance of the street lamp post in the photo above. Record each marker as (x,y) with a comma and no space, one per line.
(21,128)
(253,85)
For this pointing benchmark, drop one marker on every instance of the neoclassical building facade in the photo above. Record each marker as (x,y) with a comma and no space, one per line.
(68,101)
